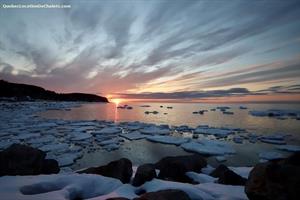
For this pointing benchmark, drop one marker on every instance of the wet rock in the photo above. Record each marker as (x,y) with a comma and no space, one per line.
(24,160)
(120,169)
(276,180)
(174,168)
(144,173)
(164,195)
(227,176)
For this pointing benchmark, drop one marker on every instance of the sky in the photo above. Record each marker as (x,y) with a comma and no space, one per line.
(191,50)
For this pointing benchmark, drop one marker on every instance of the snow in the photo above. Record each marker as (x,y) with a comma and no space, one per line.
(201,178)
(208,147)
(207,170)
(290,148)
(192,191)
(58,186)
(270,155)
(242,171)
(168,139)
(135,135)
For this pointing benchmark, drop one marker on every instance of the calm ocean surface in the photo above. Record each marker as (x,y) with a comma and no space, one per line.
(181,114)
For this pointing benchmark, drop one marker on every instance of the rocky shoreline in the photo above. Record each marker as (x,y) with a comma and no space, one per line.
(176,177)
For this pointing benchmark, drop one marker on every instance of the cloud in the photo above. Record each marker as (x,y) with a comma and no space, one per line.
(117,47)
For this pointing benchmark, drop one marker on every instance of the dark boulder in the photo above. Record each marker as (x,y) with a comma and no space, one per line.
(227,176)
(24,160)
(174,168)
(144,173)
(120,169)
(275,180)
(164,195)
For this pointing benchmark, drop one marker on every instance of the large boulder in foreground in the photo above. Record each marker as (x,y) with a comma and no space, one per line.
(275,180)
(24,160)
(174,168)
(227,176)
(120,169)
(144,173)
(164,195)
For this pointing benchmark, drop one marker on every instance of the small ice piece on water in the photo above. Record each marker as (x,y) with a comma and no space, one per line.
(78,136)
(168,139)
(55,147)
(243,107)
(272,141)
(290,148)
(135,135)
(238,140)
(154,130)
(108,130)
(242,171)
(219,132)
(270,155)
(221,158)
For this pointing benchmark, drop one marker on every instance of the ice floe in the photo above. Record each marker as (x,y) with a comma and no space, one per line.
(219,132)
(168,139)
(154,130)
(201,178)
(270,155)
(208,147)
(135,135)
(290,148)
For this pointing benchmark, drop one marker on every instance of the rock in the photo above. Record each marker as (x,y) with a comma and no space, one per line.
(276,180)
(24,160)
(174,168)
(120,169)
(144,173)
(170,194)
(227,176)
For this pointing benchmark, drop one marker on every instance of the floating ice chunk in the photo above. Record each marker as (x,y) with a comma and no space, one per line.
(274,137)
(56,186)
(290,148)
(77,136)
(154,130)
(270,155)
(238,140)
(201,178)
(61,147)
(208,147)
(64,161)
(242,171)
(135,135)
(108,130)
(243,107)
(272,141)
(26,136)
(168,139)
(221,158)
(213,131)
(44,139)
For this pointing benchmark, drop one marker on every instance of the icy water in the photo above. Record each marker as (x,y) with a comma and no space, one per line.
(143,151)
(182,114)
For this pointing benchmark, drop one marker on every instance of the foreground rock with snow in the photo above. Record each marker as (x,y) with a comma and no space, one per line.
(177,177)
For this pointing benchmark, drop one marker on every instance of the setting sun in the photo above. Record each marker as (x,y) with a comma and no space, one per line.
(116,101)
